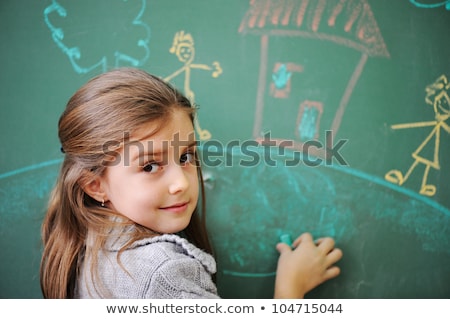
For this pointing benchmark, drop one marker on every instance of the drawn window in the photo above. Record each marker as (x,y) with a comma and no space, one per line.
(280,87)
(308,120)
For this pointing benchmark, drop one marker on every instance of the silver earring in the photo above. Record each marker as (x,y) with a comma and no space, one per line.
(103,203)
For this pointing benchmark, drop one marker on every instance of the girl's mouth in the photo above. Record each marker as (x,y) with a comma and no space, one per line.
(176,208)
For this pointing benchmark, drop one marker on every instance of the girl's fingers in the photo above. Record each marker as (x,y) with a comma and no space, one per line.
(303,238)
(334,256)
(319,240)
(282,247)
(325,244)
(331,272)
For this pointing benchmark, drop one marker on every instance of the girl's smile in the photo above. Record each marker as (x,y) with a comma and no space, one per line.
(176,208)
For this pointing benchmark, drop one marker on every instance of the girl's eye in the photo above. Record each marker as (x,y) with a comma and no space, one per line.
(187,158)
(151,168)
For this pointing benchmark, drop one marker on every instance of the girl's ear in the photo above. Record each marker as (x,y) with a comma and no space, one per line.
(94,188)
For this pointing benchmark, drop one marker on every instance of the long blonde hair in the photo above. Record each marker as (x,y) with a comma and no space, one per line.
(103,109)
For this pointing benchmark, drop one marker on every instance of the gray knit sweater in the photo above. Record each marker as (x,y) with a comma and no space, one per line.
(165,266)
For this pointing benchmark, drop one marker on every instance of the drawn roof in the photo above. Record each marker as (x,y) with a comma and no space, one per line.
(347,22)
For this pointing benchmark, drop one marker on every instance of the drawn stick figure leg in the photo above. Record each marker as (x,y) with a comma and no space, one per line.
(203,134)
(427,189)
(396,177)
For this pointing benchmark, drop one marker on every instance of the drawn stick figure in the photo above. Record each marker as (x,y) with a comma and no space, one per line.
(183,48)
(438,97)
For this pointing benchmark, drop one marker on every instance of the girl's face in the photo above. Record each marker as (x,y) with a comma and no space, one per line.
(155,184)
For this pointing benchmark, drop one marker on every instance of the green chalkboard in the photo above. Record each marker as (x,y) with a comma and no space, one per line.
(355,91)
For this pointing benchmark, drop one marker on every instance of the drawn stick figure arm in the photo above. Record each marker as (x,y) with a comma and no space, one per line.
(216,68)
(201,66)
(174,74)
(413,125)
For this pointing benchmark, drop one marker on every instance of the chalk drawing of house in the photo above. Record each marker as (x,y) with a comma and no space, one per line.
(304,46)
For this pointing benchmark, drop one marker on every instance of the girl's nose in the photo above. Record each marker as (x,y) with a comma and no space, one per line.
(178,181)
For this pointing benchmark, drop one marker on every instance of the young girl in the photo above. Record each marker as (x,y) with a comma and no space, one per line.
(125,220)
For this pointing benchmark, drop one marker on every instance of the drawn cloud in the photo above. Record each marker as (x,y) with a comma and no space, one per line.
(109,34)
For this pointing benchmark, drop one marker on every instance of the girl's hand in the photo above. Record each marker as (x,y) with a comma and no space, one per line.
(305,266)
